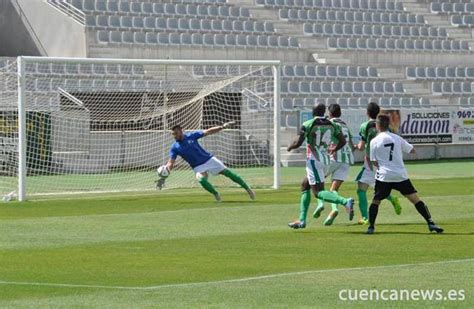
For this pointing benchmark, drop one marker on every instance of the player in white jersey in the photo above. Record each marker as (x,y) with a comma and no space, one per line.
(339,165)
(366,177)
(386,153)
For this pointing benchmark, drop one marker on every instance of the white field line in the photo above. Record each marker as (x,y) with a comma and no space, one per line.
(245,279)
(107,195)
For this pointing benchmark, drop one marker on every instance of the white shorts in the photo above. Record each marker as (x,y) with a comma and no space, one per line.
(212,166)
(315,172)
(366,175)
(338,171)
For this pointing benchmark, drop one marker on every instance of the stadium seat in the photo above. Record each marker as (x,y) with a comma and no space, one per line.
(468,20)
(126,85)
(326,88)
(321,71)
(252,41)
(358,88)
(315,87)
(219,40)
(466,88)
(415,73)
(436,88)
(329,71)
(115,37)
(398,87)
(343,102)
(378,87)
(98,84)
(430,73)
(299,71)
(98,69)
(342,71)
(127,37)
(305,87)
(103,36)
(291,121)
(151,38)
(388,87)
(125,22)
(288,71)
(463,101)
(56,69)
(287,104)
(139,38)
(385,102)
(336,88)
(163,39)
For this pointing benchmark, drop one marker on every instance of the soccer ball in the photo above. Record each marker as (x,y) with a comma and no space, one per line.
(7,198)
(163,171)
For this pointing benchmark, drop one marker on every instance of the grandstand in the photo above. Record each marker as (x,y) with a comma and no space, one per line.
(401,54)
(93,215)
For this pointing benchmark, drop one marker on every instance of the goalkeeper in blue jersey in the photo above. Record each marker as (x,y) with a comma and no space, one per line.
(201,161)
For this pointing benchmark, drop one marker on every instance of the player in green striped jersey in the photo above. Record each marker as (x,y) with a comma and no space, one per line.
(366,177)
(318,133)
(340,162)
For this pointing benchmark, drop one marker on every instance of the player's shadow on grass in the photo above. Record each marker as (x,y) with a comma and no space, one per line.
(446,233)
(237,202)
(362,232)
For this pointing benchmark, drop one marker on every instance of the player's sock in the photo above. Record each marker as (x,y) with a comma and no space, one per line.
(235,178)
(207,185)
(305,201)
(363,203)
(424,212)
(333,205)
(319,209)
(373,211)
(331,197)
(395,203)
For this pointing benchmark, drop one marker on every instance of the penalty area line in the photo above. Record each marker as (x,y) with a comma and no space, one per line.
(238,280)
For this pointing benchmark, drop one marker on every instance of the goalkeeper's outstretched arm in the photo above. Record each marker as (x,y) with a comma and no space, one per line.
(170,164)
(214,130)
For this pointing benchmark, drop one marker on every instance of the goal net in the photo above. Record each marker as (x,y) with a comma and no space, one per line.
(71,126)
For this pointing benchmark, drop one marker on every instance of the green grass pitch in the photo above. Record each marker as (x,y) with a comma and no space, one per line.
(178,249)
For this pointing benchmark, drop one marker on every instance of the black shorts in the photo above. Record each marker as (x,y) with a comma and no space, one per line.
(383,189)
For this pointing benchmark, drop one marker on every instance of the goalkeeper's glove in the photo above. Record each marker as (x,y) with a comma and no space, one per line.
(228,124)
(160,183)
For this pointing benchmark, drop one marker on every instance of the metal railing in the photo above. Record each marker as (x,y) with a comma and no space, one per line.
(70,10)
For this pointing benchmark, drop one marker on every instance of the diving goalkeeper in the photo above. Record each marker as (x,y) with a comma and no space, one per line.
(201,161)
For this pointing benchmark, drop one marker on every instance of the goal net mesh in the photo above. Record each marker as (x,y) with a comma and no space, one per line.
(105,127)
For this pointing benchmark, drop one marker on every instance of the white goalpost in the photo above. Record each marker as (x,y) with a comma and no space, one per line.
(82,125)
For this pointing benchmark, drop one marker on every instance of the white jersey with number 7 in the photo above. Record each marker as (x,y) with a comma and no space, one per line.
(387,149)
